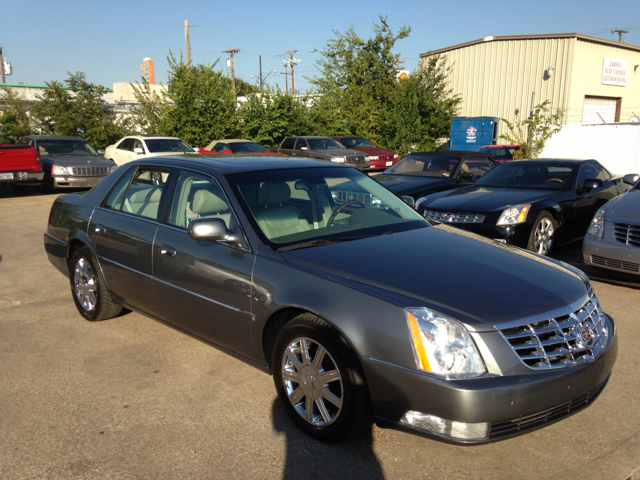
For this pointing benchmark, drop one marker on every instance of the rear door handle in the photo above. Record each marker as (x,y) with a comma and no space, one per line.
(167,250)
(99,229)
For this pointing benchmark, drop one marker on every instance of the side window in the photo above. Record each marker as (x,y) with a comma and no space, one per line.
(604,174)
(144,193)
(476,165)
(114,200)
(198,196)
(218,147)
(126,144)
(301,143)
(588,171)
(137,144)
(288,143)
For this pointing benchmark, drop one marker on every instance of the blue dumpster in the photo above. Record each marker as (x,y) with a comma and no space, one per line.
(471,133)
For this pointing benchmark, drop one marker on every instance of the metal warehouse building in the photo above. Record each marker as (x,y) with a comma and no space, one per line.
(591,79)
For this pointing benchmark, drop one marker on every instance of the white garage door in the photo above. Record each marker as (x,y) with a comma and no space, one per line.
(599,110)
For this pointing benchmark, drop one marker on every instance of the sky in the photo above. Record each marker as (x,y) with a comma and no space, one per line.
(43,40)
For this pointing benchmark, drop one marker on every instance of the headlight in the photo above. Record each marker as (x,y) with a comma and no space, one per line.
(513,215)
(442,345)
(113,169)
(419,201)
(374,157)
(58,170)
(395,156)
(337,159)
(597,224)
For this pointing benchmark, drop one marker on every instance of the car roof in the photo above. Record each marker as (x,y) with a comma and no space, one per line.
(451,153)
(309,136)
(53,137)
(148,136)
(231,140)
(558,161)
(235,164)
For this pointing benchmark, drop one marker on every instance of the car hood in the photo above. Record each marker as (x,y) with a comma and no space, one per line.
(403,183)
(627,207)
(478,199)
(75,160)
(374,151)
(337,152)
(476,280)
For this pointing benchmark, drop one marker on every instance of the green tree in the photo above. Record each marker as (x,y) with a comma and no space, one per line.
(533,132)
(147,115)
(199,104)
(14,117)
(78,110)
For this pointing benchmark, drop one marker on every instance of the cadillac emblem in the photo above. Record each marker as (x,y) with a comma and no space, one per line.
(584,335)
(449,217)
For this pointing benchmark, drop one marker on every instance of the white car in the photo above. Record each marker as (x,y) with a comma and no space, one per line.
(133,147)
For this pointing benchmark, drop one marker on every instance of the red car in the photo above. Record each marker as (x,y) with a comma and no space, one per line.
(380,158)
(234,145)
(500,153)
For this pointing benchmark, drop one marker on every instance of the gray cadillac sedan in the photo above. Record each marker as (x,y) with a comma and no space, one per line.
(358,311)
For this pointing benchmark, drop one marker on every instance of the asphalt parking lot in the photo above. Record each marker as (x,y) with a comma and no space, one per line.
(133,398)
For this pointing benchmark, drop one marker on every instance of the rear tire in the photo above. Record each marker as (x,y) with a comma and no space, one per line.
(542,236)
(88,288)
(319,380)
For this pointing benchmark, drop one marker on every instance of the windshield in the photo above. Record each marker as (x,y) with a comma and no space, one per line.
(425,165)
(356,142)
(528,174)
(306,206)
(161,145)
(323,143)
(66,147)
(238,147)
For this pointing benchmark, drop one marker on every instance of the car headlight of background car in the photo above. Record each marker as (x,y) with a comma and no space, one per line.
(514,214)
(442,346)
(597,224)
(113,168)
(58,170)
(337,159)
(374,157)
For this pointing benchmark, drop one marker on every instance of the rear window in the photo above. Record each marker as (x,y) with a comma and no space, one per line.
(425,165)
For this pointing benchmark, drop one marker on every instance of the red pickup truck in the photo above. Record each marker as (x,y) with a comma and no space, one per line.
(20,165)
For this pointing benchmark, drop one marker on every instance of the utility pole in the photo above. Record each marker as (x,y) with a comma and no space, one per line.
(231,52)
(291,63)
(186,40)
(2,64)
(619,31)
(286,77)
(261,83)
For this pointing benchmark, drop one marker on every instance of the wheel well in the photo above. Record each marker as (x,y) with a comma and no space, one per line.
(274,324)
(73,246)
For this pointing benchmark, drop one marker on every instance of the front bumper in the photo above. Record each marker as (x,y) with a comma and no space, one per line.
(70,181)
(611,255)
(22,177)
(507,402)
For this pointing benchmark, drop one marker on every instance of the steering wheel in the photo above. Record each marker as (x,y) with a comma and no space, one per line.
(554,180)
(175,149)
(342,207)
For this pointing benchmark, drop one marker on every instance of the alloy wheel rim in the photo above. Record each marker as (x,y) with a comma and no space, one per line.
(312,381)
(85,285)
(543,236)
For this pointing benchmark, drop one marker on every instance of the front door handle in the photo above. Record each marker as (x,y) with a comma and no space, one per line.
(99,229)
(167,250)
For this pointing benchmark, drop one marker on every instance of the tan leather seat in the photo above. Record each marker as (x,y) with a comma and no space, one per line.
(210,205)
(278,219)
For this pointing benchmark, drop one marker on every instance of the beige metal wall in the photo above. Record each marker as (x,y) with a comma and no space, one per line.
(496,77)
(587,79)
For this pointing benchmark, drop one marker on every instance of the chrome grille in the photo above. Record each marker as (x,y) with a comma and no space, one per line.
(627,233)
(529,422)
(88,171)
(354,159)
(617,264)
(561,342)
(458,217)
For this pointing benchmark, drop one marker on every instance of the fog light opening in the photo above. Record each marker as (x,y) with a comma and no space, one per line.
(446,428)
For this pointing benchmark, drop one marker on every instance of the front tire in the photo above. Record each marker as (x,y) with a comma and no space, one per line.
(92,299)
(319,380)
(542,236)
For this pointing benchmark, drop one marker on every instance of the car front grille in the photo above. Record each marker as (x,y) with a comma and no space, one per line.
(617,264)
(458,217)
(627,233)
(536,420)
(89,171)
(354,159)
(340,196)
(566,341)
(386,158)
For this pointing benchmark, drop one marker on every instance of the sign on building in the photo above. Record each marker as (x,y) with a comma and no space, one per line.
(614,72)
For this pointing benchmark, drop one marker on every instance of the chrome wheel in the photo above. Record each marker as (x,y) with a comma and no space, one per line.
(543,236)
(85,285)
(312,381)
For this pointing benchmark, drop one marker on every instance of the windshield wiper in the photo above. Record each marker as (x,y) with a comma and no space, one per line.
(320,241)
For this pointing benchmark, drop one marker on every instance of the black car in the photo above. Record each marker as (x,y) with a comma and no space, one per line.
(469,341)
(533,204)
(422,173)
(68,162)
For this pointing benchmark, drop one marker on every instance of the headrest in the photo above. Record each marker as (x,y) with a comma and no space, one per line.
(206,202)
(274,192)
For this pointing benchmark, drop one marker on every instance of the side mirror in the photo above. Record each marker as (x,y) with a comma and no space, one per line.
(408,200)
(590,183)
(304,149)
(138,150)
(211,230)
(468,176)
(631,178)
